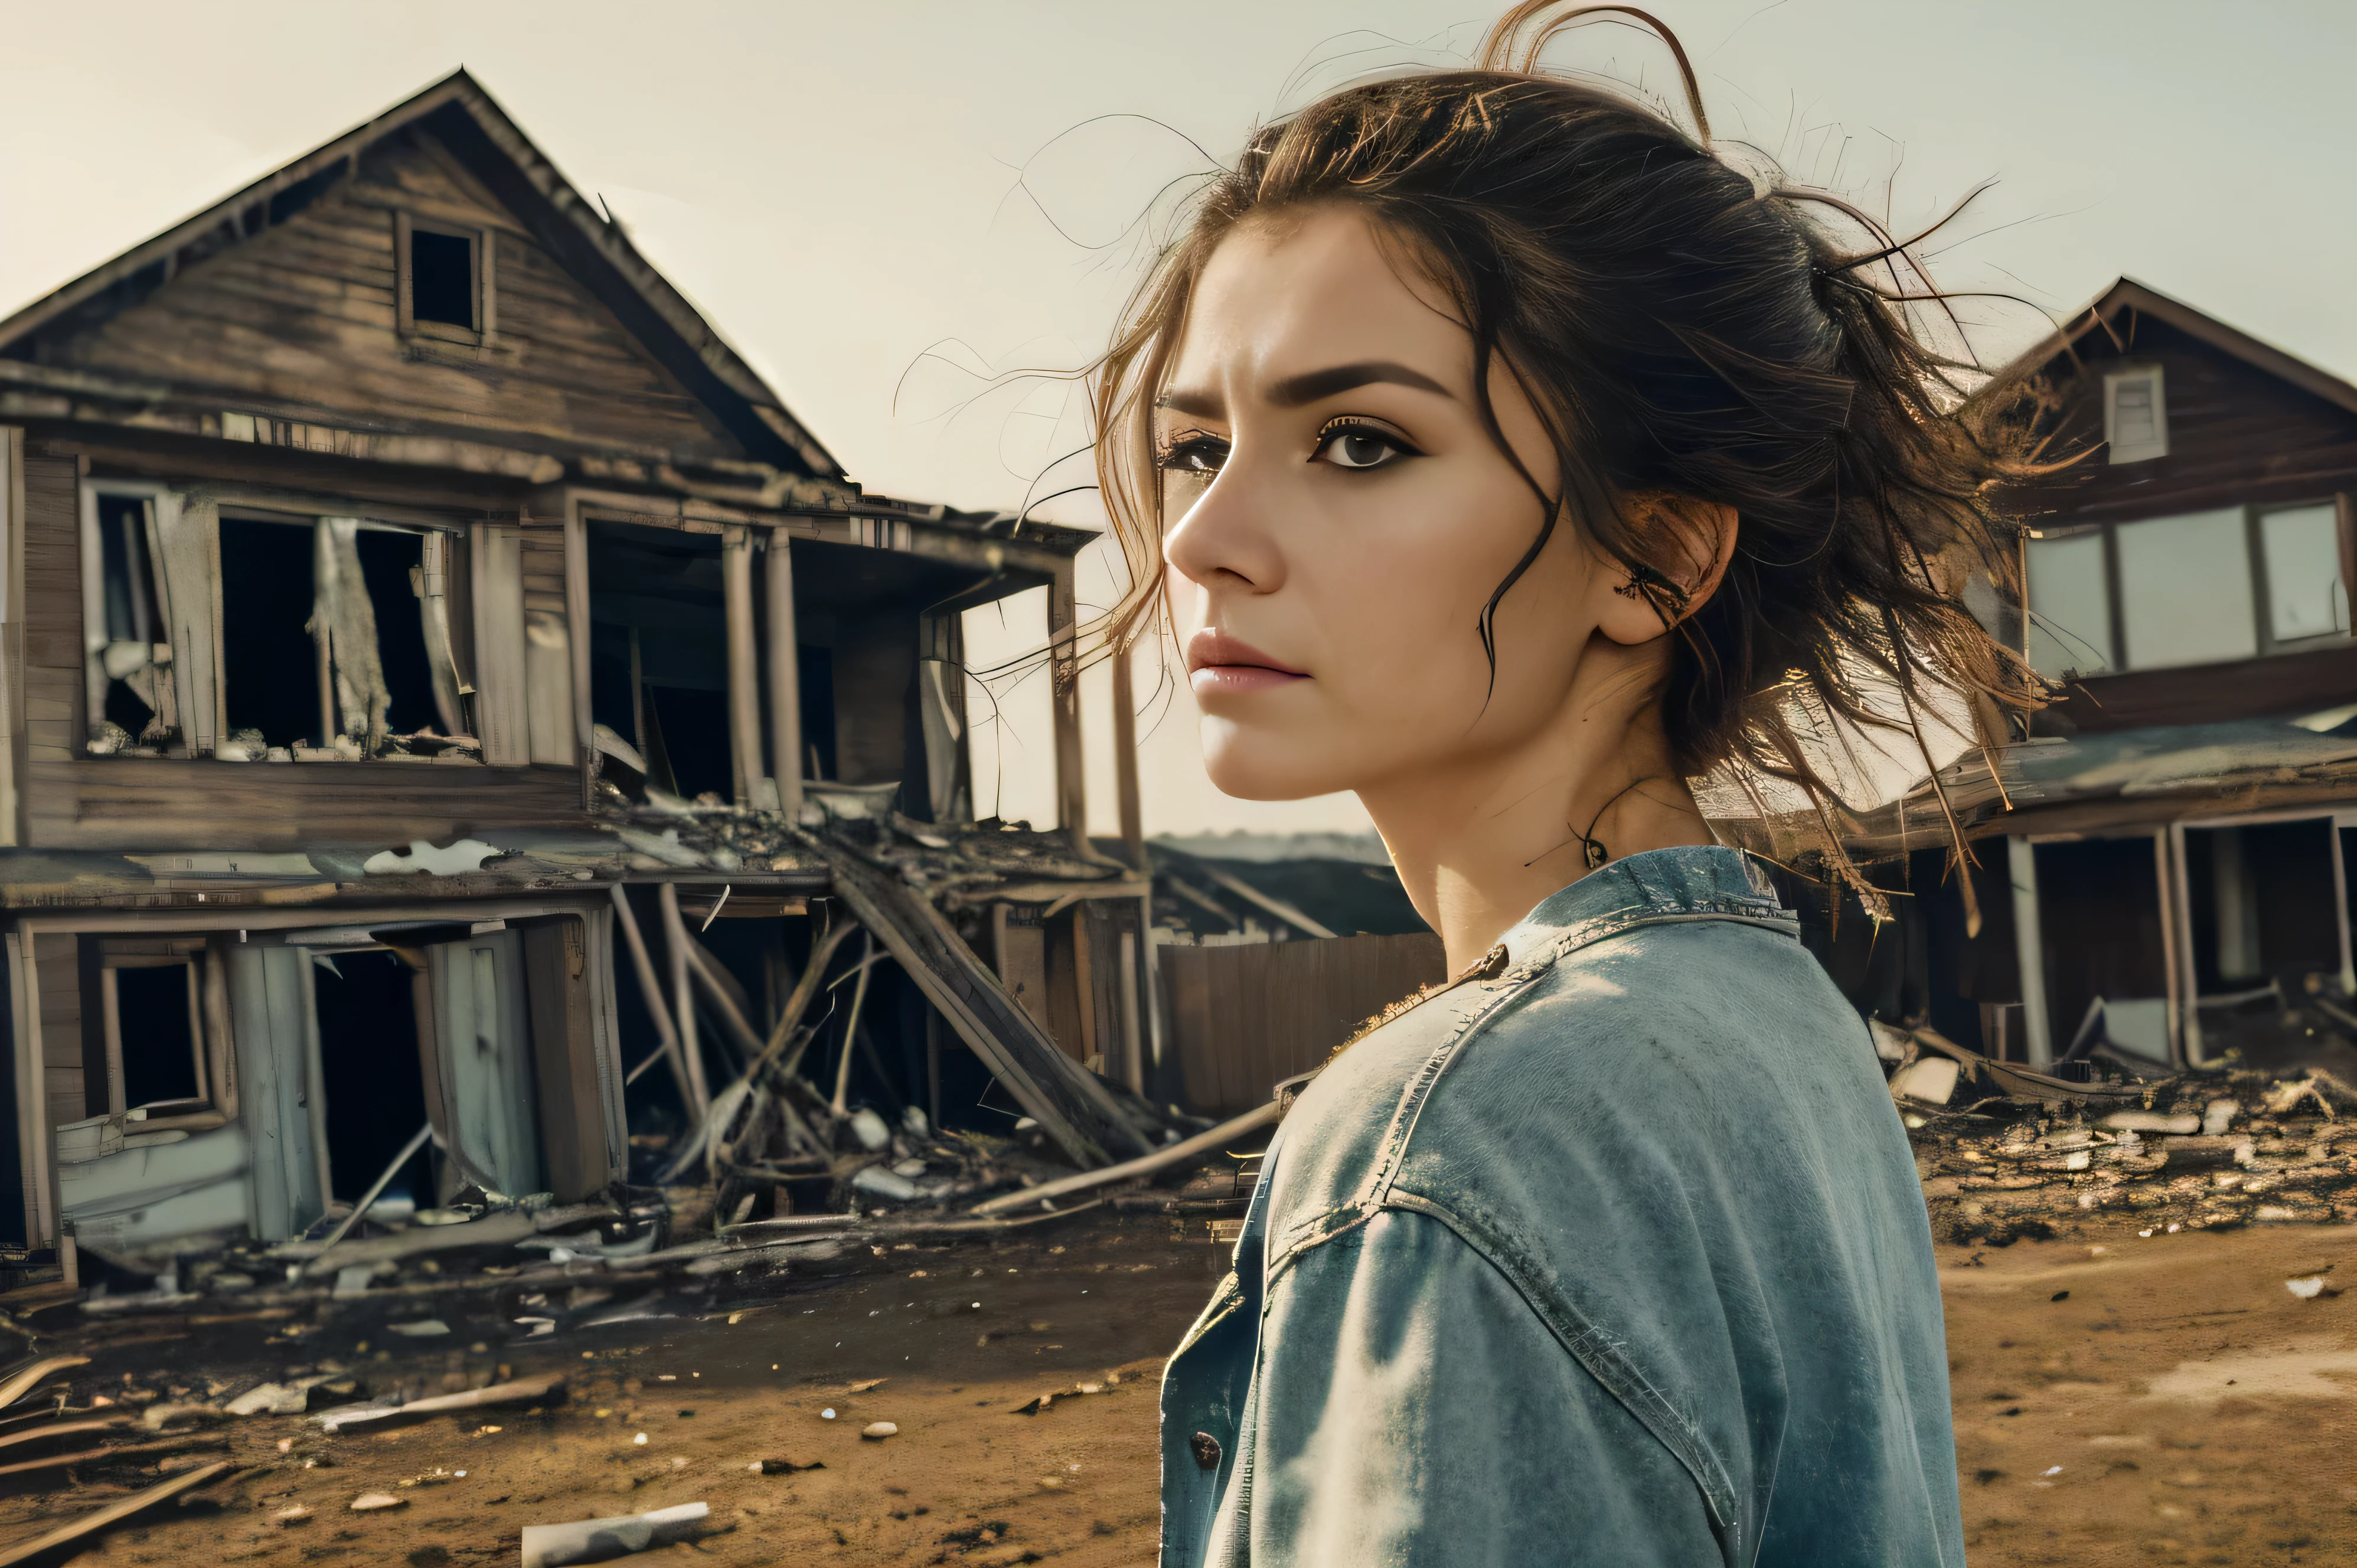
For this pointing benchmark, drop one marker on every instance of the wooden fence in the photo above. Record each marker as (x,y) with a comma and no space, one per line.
(1243,1017)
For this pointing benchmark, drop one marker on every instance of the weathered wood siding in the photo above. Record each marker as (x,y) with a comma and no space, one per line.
(302,317)
(53,683)
(2236,436)
(1244,1018)
(142,803)
(55,959)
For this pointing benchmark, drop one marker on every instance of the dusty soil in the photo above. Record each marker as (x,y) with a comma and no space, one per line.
(2118,1398)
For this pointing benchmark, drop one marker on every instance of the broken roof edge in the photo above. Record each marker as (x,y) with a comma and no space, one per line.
(2126,293)
(2128,779)
(562,206)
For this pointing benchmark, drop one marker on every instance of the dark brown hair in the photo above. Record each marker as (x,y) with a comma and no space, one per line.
(1680,329)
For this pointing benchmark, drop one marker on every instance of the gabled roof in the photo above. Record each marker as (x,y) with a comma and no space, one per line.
(464,117)
(2127,295)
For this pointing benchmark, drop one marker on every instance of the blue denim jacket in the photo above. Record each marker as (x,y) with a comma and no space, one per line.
(1615,1254)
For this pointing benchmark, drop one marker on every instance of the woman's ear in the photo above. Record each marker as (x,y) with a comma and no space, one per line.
(1684,546)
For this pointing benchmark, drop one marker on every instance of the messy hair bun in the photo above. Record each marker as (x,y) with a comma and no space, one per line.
(1682,327)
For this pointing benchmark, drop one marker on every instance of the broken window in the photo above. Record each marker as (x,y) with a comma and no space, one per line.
(658,653)
(335,637)
(148,1026)
(127,642)
(2265,908)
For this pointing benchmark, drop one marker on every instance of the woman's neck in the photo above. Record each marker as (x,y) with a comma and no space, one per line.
(1479,840)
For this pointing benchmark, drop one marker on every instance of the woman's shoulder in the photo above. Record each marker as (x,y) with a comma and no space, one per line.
(1658,1044)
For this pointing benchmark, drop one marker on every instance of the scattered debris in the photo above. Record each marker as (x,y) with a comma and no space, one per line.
(2001,1168)
(600,1539)
(91,1523)
(523,1390)
(377,1503)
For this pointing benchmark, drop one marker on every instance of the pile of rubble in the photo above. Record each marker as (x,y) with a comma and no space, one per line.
(2196,1151)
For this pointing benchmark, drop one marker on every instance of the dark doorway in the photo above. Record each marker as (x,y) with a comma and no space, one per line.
(658,653)
(368,1052)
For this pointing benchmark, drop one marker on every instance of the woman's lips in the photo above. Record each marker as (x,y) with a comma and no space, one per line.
(1219,663)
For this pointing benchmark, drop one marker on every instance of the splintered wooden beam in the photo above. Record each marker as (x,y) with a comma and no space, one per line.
(91,1523)
(1067,1100)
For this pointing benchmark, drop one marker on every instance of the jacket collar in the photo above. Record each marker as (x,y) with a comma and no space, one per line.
(1691,881)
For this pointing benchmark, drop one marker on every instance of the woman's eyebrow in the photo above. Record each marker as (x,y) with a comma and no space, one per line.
(1294,391)
(1311,385)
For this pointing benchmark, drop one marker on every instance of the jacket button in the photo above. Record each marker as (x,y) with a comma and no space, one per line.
(1206,1449)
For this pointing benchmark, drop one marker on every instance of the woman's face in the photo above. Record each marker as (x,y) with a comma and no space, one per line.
(1340,517)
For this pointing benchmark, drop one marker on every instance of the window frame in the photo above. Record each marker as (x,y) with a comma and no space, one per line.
(233,503)
(2254,542)
(2143,452)
(479,258)
(120,952)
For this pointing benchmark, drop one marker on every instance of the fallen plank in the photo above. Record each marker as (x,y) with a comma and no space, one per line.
(600,1539)
(35,1434)
(501,1227)
(1069,1102)
(521,1391)
(91,1523)
(1161,1159)
(22,1383)
(57,1461)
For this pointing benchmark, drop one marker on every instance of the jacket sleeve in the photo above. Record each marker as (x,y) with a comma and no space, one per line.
(1412,1410)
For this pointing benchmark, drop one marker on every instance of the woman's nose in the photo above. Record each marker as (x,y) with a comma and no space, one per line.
(1224,539)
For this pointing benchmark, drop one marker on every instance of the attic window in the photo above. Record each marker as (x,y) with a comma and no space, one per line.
(444,282)
(441,278)
(2135,414)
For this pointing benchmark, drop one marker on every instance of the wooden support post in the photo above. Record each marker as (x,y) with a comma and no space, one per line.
(651,990)
(1064,670)
(683,998)
(576,631)
(13,826)
(744,669)
(2029,948)
(2174,930)
(1125,759)
(785,677)
(2188,980)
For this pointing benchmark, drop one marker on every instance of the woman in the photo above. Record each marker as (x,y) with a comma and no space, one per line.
(1509,459)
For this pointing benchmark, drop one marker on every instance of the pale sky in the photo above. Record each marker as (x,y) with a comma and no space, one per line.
(881,204)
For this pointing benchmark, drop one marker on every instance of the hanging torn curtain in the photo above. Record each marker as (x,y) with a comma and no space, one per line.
(344,620)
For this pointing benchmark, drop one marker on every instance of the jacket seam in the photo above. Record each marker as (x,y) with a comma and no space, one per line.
(1596,1350)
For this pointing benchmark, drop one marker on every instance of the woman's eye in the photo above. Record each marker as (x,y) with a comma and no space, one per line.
(1361,447)
(1195,455)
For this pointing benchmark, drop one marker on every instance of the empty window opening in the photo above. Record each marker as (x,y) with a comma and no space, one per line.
(135,655)
(157,1013)
(368,1058)
(658,653)
(2261,903)
(354,692)
(442,278)
(2099,905)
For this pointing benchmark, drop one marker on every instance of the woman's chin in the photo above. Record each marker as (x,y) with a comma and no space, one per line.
(1265,768)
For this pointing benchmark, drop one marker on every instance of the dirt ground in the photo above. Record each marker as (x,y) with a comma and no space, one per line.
(2119,1399)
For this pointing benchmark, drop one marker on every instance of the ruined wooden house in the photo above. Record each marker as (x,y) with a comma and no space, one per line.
(2172,876)
(397,501)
